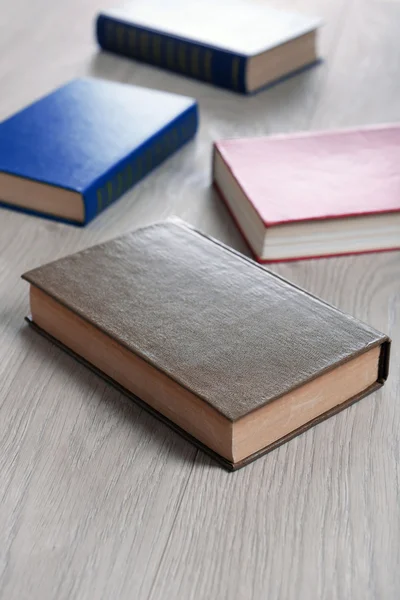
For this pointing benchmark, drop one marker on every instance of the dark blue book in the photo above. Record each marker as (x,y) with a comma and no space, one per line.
(241,45)
(71,154)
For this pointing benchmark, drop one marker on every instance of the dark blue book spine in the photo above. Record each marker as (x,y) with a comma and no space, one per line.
(137,165)
(218,67)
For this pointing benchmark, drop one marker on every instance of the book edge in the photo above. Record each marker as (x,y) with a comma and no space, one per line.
(40,215)
(267,261)
(141,403)
(229,466)
(217,150)
(44,182)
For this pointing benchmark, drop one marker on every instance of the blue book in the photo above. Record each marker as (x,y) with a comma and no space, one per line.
(71,154)
(241,45)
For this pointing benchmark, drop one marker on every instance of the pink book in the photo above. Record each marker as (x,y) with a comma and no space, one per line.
(313,195)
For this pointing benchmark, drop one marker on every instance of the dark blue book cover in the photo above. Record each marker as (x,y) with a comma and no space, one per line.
(241,45)
(72,153)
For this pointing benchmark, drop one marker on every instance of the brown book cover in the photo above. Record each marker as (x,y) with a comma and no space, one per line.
(232,356)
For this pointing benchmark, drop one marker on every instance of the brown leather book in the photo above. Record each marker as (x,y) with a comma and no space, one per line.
(230,355)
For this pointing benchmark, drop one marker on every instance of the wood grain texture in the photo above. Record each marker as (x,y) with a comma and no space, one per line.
(99,500)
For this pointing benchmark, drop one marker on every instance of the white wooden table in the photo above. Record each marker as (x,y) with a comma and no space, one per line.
(98,499)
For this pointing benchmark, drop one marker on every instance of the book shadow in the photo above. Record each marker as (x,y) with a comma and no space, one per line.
(122,69)
(284,94)
(164,439)
(217,220)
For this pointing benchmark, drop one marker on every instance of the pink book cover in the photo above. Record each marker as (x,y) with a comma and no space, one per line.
(314,176)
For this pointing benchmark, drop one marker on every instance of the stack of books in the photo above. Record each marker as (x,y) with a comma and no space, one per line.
(183,311)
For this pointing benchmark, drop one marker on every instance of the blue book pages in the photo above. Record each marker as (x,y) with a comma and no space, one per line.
(207,40)
(92,140)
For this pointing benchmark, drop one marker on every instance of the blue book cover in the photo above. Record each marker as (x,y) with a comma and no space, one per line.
(72,153)
(241,45)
